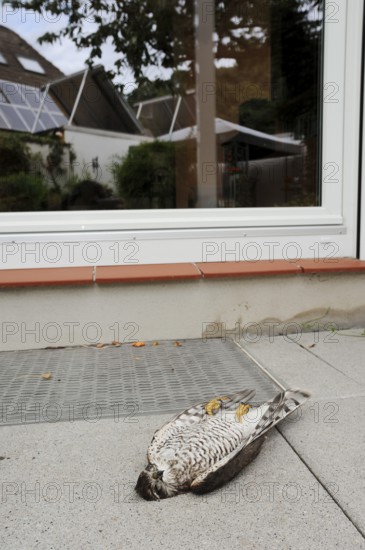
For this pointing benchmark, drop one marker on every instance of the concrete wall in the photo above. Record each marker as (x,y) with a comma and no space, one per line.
(89,143)
(248,307)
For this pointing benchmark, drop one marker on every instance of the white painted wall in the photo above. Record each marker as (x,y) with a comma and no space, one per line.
(42,150)
(33,318)
(89,143)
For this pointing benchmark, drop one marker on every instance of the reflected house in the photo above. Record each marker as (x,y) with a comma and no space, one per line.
(254,168)
(23,74)
(22,64)
(84,109)
(100,126)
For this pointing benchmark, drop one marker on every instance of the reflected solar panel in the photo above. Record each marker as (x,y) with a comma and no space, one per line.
(46,121)
(11,115)
(33,96)
(21,104)
(3,123)
(3,98)
(60,120)
(28,116)
(13,93)
(51,105)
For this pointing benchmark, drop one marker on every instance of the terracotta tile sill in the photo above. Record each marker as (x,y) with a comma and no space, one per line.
(333,265)
(172,272)
(247,269)
(141,273)
(46,276)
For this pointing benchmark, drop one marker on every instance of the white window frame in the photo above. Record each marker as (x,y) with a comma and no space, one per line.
(362,201)
(180,235)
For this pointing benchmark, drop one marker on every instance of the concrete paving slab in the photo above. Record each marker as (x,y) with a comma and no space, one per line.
(343,349)
(295,366)
(331,442)
(70,486)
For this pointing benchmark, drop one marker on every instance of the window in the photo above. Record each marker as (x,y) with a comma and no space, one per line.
(270,158)
(31,64)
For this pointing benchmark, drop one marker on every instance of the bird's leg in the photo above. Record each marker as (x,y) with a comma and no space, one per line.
(215,404)
(241,410)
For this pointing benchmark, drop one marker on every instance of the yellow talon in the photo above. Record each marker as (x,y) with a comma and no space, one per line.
(214,405)
(241,411)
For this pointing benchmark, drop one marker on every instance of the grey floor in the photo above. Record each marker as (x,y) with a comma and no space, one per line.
(69,484)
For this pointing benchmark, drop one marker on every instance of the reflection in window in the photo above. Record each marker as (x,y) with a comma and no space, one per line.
(266,91)
(243,131)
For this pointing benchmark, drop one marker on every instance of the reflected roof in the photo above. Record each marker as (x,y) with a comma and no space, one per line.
(92,101)
(249,135)
(86,99)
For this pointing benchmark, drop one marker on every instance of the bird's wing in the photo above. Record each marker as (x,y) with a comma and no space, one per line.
(193,415)
(227,468)
(283,404)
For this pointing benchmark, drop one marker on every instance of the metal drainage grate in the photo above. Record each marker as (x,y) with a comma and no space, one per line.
(93,383)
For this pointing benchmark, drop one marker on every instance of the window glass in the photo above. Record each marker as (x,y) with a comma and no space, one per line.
(260,96)
(236,122)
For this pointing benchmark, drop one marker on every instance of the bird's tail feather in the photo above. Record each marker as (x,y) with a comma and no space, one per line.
(278,408)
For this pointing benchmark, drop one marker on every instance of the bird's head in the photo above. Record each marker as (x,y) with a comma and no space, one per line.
(151,484)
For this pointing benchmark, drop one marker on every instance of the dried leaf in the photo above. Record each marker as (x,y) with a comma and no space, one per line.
(178,344)
(47,376)
(116,343)
(312,345)
(138,344)
(100,345)
(155,344)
